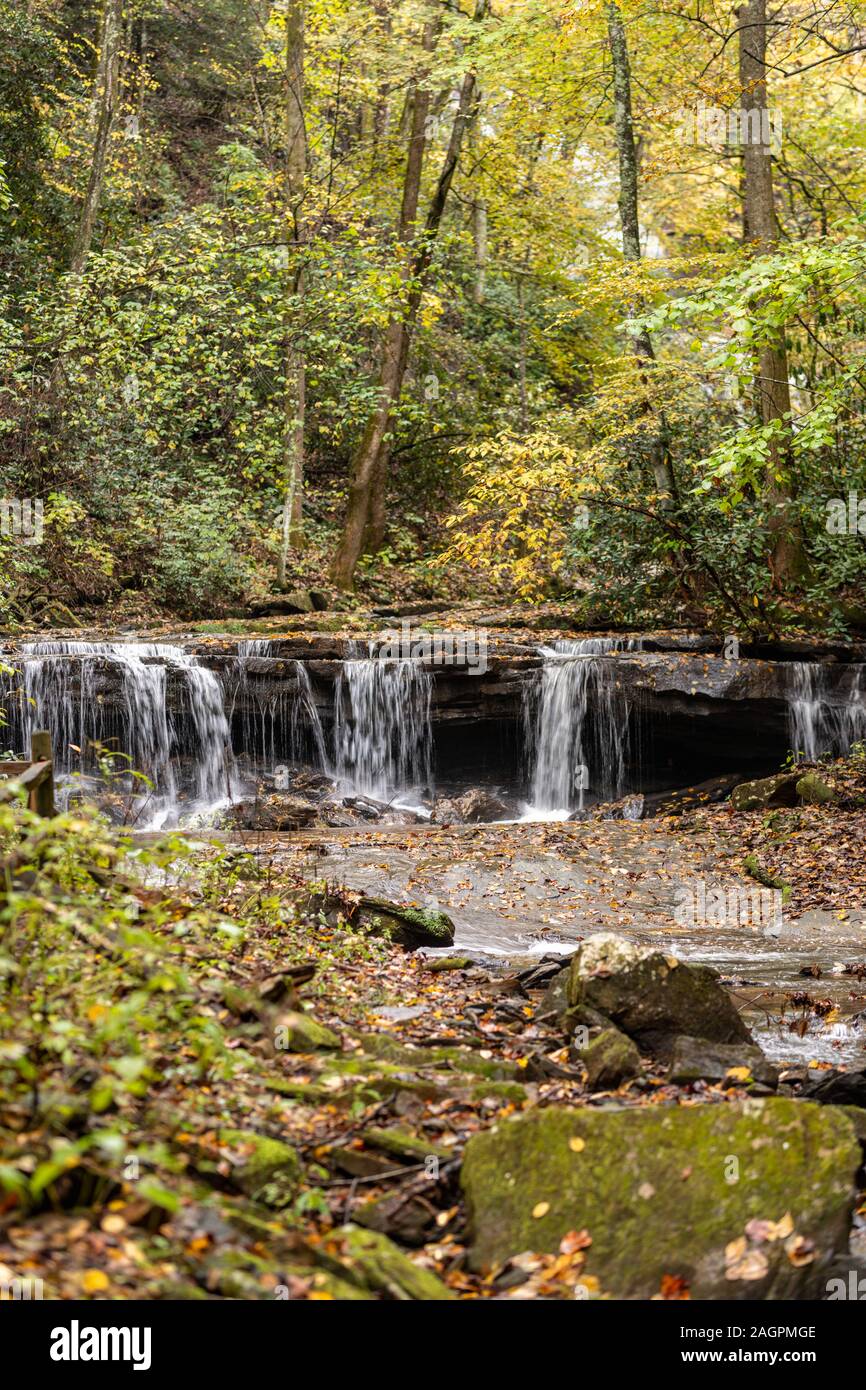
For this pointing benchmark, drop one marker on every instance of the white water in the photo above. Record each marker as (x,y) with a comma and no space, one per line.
(576,728)
(824,718)
(63,691)
(280,722)
(382,732)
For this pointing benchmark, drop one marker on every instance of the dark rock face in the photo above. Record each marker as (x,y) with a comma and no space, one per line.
(652,997)
(695,1059)
(839,1088)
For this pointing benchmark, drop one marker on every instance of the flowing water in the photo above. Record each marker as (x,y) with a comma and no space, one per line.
(825,717)
(382,731)
(278,723)
(576,728)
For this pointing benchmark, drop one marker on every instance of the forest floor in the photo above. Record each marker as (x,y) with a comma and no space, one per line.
(315,1151)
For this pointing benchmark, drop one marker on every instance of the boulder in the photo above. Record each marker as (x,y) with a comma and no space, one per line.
(295,1031)
(473,806)
(610,1059)
(740,1201)
(695,1059)
(406,925)
(266,1170)
(272,605)
(371,1260)
(838,1088)
(651,996)
(814,791)
(273,812)
(780,790)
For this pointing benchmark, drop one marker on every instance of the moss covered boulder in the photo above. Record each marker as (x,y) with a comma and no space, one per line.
(296,1031)
(406,925)
(651,996)
(610,1059)
(266,1170)
(372,1261)
(747,1200)
(812,790)
(780,790)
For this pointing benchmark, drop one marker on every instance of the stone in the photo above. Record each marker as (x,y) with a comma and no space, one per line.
(610,1059)
(273,812)
(838,1088)
(555,998)
(405,1147)
(295,1031)
(676,1192)
(375,1262)
(695,1059)
(410,1221)
(780,790)
(267,1170)
(406,925)
(651,996)
(814,791)
(296,601)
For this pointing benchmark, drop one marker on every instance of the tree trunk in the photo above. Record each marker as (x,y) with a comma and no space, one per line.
(104,106)
(370,463)
(760,228)
(295,378)
(628,215)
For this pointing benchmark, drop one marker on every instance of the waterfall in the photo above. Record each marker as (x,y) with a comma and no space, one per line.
(279,723)
(576,726)
(66,687)
(824,718)
(382,732)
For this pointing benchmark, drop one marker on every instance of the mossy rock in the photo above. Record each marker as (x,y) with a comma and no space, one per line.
(667,1192)
(268,1171)
(462,1059)
(814,791)
(411,1148)
(405,925)
(650,996)
(295,1031)
(610,1059)
(509,1092)
(780,790)
(376,1263)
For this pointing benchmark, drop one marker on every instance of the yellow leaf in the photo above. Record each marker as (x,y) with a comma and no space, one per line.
(94,1281)
(577,1145)
(540,1209)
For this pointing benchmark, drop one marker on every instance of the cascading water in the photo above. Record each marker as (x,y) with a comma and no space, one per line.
(63,686)
(576,726)
(280,722)
(825,717)
(382,730)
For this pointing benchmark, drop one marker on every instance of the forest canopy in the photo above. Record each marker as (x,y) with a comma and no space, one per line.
(513,296)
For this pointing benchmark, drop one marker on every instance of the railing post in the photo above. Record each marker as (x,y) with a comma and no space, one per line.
(41,751)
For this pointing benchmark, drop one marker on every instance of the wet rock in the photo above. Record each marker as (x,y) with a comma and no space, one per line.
(610,1059)
(814,791)
(838,1088)
(406,926)
(682,1208)
(273,812)
(472,807)
(780,790)
(651,996)
(695,1059)
(439,964)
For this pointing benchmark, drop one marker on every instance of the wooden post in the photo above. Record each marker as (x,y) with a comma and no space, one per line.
(41,750)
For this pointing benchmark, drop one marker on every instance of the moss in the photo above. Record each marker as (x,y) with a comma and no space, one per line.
(269,1171)
(457,1058)
(665,1191)
(298,1032)
(378,1264)
(404,1145)
(507,1091)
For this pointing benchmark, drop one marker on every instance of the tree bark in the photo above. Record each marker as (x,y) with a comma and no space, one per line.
(761,230)
(366,484)
(295,374)
(660,463)
(104,107)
